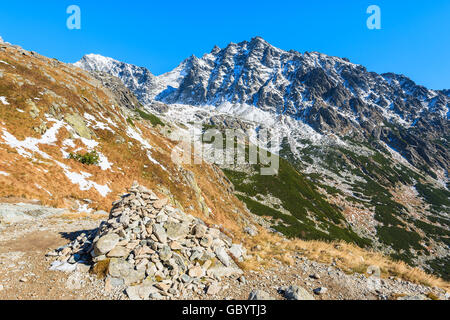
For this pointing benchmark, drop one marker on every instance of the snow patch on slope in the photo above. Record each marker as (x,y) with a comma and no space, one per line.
(30,147)
(4,101)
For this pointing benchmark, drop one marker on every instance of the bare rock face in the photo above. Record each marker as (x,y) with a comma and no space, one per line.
(124,95)
(106,244)
(259,295)
(154,249)
(297,293)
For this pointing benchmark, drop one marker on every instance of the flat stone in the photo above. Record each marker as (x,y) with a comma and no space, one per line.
(111,283)
(16,213)
(199,231)
(196,272)
(320,290)
(134,277)
(237,251)
(133,293)
(220,272)
(223,256)
(213,289)
(175,246)
(106,243)
(78,123)
(176,231)
(132,245)
(259,295)
(165,253)
(151,270)
(185,278)
(119,268)
(119,252)
(297,293)
(83,268)
(160,233)
(159,204)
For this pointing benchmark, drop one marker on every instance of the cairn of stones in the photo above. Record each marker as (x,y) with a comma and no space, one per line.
(154,250)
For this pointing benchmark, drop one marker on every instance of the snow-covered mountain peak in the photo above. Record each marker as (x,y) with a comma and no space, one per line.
(138,79)
(97,62)
(330,94)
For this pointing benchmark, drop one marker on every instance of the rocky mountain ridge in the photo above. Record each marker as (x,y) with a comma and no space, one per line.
(330,94)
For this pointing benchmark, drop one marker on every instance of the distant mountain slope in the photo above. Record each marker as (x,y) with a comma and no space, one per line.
(375,146)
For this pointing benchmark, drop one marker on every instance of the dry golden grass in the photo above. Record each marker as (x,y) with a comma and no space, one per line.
(347,257)
(100,269)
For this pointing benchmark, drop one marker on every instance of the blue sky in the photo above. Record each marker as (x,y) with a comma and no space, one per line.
(414,39)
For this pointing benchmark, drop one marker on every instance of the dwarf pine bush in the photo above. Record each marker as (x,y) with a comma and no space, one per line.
(89,158)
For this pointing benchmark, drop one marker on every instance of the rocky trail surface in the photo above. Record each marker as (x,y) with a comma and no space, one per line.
(27,271)
(24,268)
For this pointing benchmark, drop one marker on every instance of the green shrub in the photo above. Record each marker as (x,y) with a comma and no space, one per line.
(130,122)
(89,158)
(154,120)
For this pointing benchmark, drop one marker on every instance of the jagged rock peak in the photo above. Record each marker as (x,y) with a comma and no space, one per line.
(330,94)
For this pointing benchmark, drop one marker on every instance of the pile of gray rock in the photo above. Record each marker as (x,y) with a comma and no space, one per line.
(153,250)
